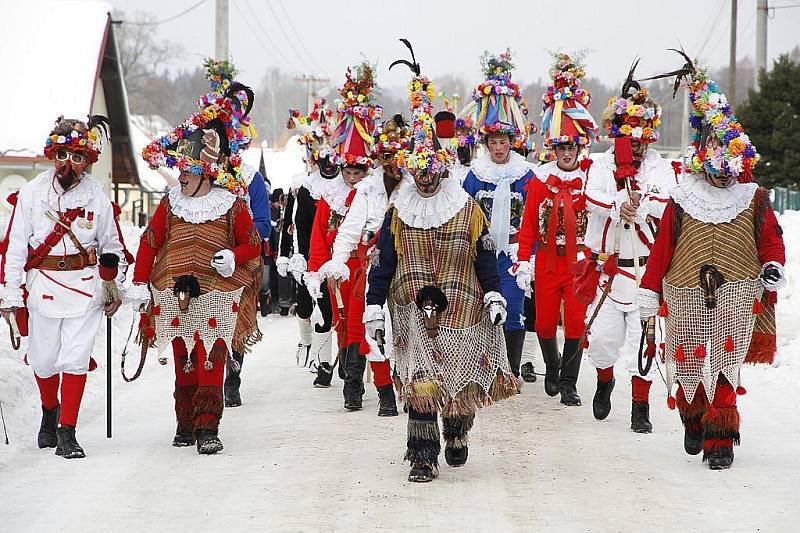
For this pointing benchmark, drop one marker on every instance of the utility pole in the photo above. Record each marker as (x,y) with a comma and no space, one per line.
(310,80)
(685,123)
(732,65)
(221,31)
(762,10)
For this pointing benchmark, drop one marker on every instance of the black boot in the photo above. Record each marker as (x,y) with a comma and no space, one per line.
(455,432)
(601,404)
(208,442)
(528,372)
(324,375)
(514,341)
(720,458)
(570,367)
(47,430)
(692,435)
(552,360)
(354,366)
(263,302)
(423,445)
(342,369)
(387,402)
(640,417)
(421,471)
(233,378)
(68,446)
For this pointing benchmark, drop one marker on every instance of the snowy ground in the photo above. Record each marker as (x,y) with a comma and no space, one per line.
(294,460)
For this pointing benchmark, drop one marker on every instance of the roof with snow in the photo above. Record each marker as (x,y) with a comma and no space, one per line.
(52,56)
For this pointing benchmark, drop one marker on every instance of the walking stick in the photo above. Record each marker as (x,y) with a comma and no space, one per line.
(108,377)
(3,418)
(109,264)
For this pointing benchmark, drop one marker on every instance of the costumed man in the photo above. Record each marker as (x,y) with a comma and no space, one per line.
(498,180)
(627,190)
(356,237)
(314,347)
(437,270)
(554,225)
(712,275)
(352,143)
(63,262)
(199,265)
(456,131)
(221,74)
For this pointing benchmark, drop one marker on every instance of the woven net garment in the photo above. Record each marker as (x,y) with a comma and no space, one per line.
(724,331)
(456,372)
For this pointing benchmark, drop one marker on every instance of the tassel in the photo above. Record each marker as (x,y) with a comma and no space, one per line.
(661,346)
(150,333)
(92,364)
(671,403)
(235,307)
(741,391)
(680,354)
(758,307)
(156,310)
(175,322)
(729,344)
(651,349)
(663,312)
(196,336)
(212,322)
(700,351)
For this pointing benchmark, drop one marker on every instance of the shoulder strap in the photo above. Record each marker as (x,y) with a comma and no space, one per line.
(63,225)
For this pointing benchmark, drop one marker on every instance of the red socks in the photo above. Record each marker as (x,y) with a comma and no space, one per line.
(640,389)
(48,390)
(604,375)
(381,373)
(71,393)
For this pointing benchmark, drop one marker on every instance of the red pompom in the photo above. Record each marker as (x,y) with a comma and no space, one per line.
(700,351)
(729,344)
(175,322)
(585,163)
(156,310)
(235,307)
(661,346)
(651,349)
(741,391)
(671,402)
(663,311)
(680,354)
(758,307)
(12,198)
(212,322)
(92,364)
(586,343)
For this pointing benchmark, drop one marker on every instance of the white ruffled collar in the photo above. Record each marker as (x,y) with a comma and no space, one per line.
(202,209)
(543,172)
(426,213)
(488,171)
(706,203)
(335,194)
(316,184)
(78,196)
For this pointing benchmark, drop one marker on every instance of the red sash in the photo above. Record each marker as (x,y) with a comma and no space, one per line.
(36,256)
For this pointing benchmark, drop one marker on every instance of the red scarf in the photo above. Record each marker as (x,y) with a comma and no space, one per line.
(562,196)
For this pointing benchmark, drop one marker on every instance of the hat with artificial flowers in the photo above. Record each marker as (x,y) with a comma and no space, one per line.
(500,107)
(77,136)
(316,129)
(356,115)
(633,113)
(565,117)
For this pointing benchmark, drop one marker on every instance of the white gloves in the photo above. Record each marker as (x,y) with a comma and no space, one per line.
(772,276)
(374,320)
(496,307)
(282,264)
(224,263)
(138,296)
(335,269)
(524,274)
(297,267)
(648,302)
(313,282)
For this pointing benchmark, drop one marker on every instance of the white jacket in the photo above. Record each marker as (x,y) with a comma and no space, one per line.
(59,294)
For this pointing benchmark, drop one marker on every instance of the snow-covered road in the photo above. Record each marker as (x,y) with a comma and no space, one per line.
(294,460)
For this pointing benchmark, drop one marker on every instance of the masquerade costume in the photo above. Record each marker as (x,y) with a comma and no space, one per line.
(554,225)
(437,270)
(50,273)
(199,264)
(502,188)
(712,275)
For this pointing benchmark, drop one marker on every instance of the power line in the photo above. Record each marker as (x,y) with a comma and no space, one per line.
(266,34)
(283,32)
(713,27)
(169,19)
(254,32)
(299,39)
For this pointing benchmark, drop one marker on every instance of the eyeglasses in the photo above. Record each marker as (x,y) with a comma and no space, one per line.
(77,158)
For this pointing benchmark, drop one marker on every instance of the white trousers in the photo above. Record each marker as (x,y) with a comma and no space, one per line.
(62,344)
(611,330)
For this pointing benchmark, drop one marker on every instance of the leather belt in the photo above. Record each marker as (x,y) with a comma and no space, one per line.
(625,263)
(561,250)
(64,262)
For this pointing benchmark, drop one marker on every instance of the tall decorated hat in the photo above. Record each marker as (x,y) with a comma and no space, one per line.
(391,136)
(463,123)
(209,142)
(77,136)
(426,153)
(633,113)
(500,107)
(356,115)
(315,130)
(565,117)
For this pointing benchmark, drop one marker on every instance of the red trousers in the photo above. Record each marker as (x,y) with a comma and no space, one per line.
(551,289)
(198,393)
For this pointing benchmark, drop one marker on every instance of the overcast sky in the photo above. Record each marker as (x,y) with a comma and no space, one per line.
(449,36)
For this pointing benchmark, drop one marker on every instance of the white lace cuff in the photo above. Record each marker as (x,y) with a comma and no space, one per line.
(224,262)
(494,296)
(374,312)
(773,285)
(523,267)
(138,292)
(11,297)
(282,260)
(335,269)
(297,263)
(648,302)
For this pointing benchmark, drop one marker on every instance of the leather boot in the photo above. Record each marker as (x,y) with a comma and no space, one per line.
(601,404)
(47,437)
(353,389)
(552,360)
(640,417)
(233,378)
(514,341)
(387,402)
(68,446)
(570,366)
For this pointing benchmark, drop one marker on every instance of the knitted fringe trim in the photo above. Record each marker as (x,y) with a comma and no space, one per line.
(184,407)
(208,406)
(423,450)
(455,430)
(722,423)
(694,410)
(762,349)
(428,397)
(423,429)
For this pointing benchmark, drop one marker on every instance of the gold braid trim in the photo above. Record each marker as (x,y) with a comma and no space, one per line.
(477,222)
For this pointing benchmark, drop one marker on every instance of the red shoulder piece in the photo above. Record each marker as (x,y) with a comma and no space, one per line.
(585,163)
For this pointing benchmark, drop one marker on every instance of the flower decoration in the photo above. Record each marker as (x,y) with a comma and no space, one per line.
(356,116)
(316,129)
(392,136)
(76,136)
(500,105)
(636,116)
(565,117)
(735,156)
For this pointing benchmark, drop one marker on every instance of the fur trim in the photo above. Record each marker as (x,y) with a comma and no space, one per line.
(184,407)
(423,442)
(762,349)
(429,397)
(455,430)
(722,423)
(208,407)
